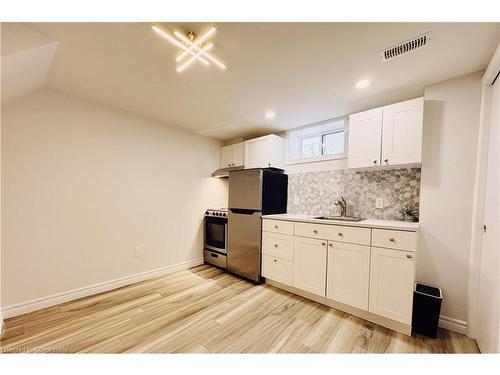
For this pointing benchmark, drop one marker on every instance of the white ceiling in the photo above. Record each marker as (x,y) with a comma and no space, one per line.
(305,72)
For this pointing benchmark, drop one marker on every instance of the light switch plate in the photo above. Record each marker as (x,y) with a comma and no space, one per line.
(137,251)
(379,203)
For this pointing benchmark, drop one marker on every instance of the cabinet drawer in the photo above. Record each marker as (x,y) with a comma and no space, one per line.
(311,230)
(277,269)
(277,245)
(337,233)
(394,239)
(278,226)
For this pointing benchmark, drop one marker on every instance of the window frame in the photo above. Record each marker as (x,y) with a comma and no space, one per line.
(322,157)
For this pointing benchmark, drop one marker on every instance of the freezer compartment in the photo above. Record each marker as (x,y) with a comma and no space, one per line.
(245,189)
(244,243)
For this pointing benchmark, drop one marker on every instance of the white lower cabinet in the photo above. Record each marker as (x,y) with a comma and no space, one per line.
(309,265)
(392,276)
(277,269)
(348,274)
(369,269)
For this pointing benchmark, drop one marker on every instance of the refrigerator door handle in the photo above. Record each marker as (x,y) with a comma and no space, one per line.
(243,211)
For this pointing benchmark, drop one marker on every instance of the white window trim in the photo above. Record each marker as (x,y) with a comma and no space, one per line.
(322,157)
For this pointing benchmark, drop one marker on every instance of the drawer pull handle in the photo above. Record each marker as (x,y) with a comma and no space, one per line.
(315,231)
(323,243)
(409,256)
(341,234)
(275,245)
(276,226)
(275,260)
(374,162)
(392,239)
(330,244)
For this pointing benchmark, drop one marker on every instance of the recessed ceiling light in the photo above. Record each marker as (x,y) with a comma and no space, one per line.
(270,115)
(363,84)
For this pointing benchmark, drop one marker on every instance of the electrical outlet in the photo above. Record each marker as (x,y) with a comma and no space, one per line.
(137,251)
(379,203)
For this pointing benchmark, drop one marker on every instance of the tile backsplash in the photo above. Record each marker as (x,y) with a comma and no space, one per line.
(313,193)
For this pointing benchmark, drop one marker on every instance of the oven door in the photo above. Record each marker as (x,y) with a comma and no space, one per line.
(216,234)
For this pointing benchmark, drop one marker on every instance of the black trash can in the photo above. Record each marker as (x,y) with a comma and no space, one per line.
(426,309)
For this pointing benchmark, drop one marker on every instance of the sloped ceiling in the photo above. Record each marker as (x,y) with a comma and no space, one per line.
(26,56)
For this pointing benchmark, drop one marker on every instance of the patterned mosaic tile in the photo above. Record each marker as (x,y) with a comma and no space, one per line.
(314,193)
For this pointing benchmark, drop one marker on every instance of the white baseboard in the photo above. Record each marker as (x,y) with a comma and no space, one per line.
(452,324)
(55,299)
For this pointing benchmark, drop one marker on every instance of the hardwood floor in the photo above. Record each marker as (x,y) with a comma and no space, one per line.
(204,310)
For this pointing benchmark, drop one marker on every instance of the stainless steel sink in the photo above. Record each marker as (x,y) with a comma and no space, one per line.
(338,218)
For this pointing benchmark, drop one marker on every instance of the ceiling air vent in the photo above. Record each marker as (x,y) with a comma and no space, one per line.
(405,47)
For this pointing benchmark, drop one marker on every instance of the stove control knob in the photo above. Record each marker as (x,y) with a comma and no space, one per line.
(207,213)
(224,214)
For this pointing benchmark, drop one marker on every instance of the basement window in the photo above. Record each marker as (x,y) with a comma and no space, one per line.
(321,141)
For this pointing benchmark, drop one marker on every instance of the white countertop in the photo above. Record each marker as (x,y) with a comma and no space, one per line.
(368,223)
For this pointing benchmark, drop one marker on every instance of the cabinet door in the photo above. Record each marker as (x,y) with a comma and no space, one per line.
(402,132)
(309,265)
(238,154)
(226,156)
(365,134)
(348,274)
(258,153)
(264,152)
(392,276)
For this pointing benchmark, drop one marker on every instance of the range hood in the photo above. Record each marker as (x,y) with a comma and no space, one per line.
(224,172)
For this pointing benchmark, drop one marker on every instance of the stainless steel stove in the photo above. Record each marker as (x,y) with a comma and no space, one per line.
(215,236)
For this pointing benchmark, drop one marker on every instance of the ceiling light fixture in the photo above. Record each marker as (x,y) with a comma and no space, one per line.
(270,115)
(196,43)
(363,84)
(176,42)
(192,59)
(192,46)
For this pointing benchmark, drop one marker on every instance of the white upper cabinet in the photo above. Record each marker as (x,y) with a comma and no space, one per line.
(402,132)
(365,132)
(231,156)
(390,135)
(264,152)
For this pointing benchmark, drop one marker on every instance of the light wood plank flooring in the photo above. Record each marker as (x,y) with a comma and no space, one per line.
(204,310)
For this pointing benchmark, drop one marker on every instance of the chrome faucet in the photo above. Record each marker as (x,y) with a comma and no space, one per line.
(343,206)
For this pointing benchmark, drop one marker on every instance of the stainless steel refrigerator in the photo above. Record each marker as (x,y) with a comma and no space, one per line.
(252,193)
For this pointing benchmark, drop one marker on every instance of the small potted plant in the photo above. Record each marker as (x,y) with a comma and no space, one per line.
(409,213)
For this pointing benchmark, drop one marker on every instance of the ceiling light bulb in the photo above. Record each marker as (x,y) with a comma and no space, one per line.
(363,84)
(270,115)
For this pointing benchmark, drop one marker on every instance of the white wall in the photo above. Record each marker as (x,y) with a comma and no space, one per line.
(83,184)
(451,124)
(1,304)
